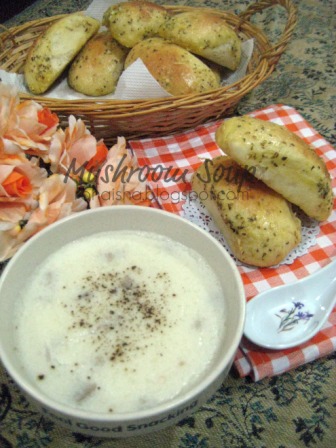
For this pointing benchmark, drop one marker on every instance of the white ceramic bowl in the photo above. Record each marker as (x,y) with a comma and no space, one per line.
(122,218)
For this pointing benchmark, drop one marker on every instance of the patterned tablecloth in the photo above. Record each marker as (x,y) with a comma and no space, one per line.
(291,410)
(185,152)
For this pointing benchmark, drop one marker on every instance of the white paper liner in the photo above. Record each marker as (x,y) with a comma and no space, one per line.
(196,212)
(136,82)
(97,8)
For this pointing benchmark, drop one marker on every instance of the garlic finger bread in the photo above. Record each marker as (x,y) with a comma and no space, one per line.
(55,49)
(133,21)
(97,68)
(205,34)
(175,69)
(257,223)
(282,160)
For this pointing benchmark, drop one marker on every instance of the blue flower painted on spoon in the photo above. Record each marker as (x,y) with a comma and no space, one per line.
(289,318)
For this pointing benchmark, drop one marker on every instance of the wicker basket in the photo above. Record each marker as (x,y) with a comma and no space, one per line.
(109,118)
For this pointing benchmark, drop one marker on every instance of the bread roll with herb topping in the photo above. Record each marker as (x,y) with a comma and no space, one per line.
(97,68)
(131,22)
(55,49)
(257,223)
(281,160)
(176,70)
(205,34)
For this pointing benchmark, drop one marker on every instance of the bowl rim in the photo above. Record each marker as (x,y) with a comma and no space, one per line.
(167,406)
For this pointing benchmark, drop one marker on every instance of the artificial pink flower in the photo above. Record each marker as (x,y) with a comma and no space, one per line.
(15,228)
(19,221)
(20,178)
(12,159)
(25,126)
(57,199)
(116,184)
(8,103)
(29,199)
(37,125)
(76,148)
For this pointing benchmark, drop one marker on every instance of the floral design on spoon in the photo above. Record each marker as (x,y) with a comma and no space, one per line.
(290,318)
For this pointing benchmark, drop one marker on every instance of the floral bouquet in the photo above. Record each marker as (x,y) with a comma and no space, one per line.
(47,173)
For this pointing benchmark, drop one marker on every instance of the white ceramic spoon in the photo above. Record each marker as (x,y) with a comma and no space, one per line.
(289,315)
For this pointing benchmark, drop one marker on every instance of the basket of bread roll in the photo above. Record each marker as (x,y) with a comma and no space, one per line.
(185,49)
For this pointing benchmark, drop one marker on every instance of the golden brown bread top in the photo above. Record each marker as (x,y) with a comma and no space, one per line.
(175,69)
(282,160)
(257,223)
(205,34)
(97,68)
(131,22)
(55,49)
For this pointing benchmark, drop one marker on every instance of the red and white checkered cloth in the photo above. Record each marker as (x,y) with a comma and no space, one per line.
(177,156)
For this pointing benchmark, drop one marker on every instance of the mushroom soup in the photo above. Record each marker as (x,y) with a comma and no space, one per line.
(120,321)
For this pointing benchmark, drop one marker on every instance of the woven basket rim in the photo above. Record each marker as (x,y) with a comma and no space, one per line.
(242,26)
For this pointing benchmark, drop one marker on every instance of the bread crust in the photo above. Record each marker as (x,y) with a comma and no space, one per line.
(131,22)
(205,34)
(257,223)
(97,68)
(176,70)
(281,160)
(55,49)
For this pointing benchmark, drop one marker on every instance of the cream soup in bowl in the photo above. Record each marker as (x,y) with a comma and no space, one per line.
(120,321)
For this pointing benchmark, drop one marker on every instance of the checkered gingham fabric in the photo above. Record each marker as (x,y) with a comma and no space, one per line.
(179,155)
